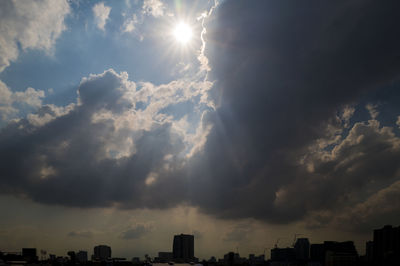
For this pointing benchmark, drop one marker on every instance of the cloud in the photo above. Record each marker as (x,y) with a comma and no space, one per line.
(13,103)
(110,142)
(381,206)
(238,233)
(284,75)
(84,234)
(48,113)
(153,7)
(365,160)
(130,24)
(29,25)
(372,109)
(32,25)
(101,13)
(137,231)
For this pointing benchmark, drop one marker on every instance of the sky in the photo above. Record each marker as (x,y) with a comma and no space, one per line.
(244,123)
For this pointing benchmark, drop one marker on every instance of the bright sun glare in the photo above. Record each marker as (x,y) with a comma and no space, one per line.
(183,33)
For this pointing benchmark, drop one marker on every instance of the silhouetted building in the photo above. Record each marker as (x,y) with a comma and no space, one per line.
(29,254)
(255,260)
(343,247)
(72,256)
(82,256)
(136,260)
(334,253)
(386,247)
(13,256)
(317,253)
(233,258)
(369,252)
(52,257)
(164,257)
(302,249)
(337,258)
(251,257)
(183,247)
(283,254)
(102,253)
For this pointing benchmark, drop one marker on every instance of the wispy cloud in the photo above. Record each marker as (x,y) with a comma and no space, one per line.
(155,8)
(84,234)
(101,13)
(130,24)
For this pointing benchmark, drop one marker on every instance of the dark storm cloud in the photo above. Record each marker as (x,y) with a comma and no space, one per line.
(284,71)
(281,144)
(82,156)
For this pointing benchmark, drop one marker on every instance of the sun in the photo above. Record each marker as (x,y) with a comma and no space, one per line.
(183,33)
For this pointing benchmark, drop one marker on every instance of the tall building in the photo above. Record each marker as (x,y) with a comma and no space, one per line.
(102,253)
(302,249)
(386,246)
(183,247)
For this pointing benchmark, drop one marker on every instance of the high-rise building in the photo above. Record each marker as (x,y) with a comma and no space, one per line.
(386,247)
(102,252)
(302,249)
(183,247)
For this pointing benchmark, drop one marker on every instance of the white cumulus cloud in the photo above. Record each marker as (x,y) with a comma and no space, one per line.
(11,103)
(31,24)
